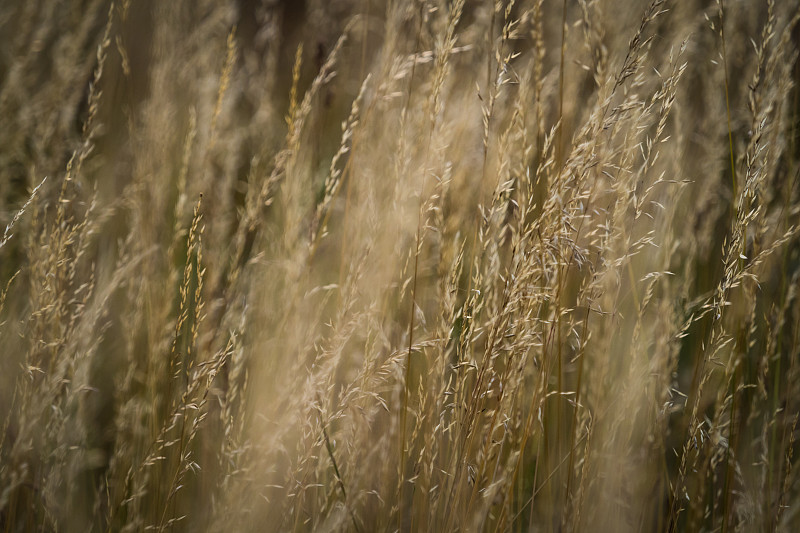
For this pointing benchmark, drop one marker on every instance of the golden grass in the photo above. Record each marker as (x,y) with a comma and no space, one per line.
(413,265)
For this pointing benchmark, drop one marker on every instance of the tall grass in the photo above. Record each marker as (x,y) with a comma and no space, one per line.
(416,265)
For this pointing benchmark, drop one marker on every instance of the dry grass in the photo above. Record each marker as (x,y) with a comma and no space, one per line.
(418,265)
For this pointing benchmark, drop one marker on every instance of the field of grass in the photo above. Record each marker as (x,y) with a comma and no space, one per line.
(410,265)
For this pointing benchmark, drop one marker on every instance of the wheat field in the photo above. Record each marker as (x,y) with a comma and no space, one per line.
(410,265)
